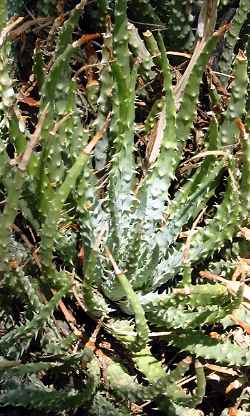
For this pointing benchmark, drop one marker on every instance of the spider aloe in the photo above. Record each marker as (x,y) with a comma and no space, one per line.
(132,240)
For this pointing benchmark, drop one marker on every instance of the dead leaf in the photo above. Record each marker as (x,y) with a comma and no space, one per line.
(245,232)
(29,101)
(232,286)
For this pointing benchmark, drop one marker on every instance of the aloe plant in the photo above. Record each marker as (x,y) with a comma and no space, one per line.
(135,275)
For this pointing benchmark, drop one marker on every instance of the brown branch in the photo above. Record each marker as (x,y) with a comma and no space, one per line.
(115,266)
(22,165)
(181,85)
(232,286)
(85,39)
(44,21)
(190,235)
(28,244)
(10,26)
(205,154)
(98,136)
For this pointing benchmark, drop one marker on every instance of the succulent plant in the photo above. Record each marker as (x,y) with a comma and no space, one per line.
(80,186)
